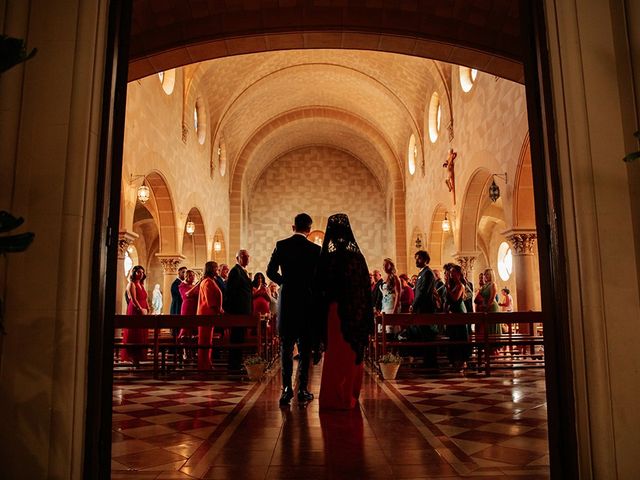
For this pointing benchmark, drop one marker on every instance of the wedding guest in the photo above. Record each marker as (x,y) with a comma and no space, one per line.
(189,291)
(176,297)
(346,312)
(376,292)
(458,354)
(274,294)
(137,306)
(261,295)
(209,303)
(423,302)
(239,301)
(489,304)
(407,295)
(506,305)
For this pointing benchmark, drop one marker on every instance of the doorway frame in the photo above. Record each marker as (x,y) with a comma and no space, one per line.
(561,415)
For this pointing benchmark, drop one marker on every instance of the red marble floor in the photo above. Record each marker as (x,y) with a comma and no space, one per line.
(447,426)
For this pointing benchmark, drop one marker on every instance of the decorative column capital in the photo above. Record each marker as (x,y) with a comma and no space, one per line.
(125,239)
(170,263)
(522,241)
(466,260)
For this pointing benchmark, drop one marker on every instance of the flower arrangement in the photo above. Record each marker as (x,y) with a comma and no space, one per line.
(390,358)
(254,360)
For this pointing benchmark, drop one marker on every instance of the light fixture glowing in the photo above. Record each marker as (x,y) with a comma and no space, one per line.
(446,225)
(190,227)
(144,193)
(217,245)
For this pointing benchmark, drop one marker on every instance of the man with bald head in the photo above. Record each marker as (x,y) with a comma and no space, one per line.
(238,301)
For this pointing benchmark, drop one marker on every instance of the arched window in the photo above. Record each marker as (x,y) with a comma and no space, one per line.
(412,155)
(467,78)
(505,261)
(435,117)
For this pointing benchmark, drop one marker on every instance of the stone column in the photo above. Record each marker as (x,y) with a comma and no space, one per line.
(524,267)
(125,239)
(170,264)
(467,260)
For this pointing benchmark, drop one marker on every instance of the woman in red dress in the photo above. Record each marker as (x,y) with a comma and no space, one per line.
(189,294)
(261,295)
(137,306)
(347,314)
(209,303)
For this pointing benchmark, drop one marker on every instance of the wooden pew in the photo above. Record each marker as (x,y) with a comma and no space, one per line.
(484,345)
(158,322)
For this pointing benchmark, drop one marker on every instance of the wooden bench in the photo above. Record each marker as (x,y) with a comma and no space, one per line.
(484,344)
(155,323)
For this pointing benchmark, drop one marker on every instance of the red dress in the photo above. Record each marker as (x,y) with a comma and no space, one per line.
(189,306)
(209,303)
(261,301)
(135,335)
(341,377)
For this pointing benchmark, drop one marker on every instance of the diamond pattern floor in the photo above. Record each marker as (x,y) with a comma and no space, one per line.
(445,426)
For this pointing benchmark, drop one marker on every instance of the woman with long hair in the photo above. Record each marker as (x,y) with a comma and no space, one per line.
(346,314)
(261,295)
(488,293)
(137,306)
(209,303)
(458,354)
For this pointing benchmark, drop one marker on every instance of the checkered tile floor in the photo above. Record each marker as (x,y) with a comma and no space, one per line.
(447,426)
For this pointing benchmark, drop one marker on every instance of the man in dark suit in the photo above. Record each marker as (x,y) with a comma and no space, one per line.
(238,300)
(176,298)
(376,293)
(293,266)
(423,303)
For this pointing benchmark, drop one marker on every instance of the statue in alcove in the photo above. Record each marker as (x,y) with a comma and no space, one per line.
(451,177)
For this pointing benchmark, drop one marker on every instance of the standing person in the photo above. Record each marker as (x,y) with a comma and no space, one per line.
(407,295)
(156,300)
(347,313)
(376,292)
(209,303)
(261,295)
(238,301)
(391,290)
(224,272)
(423,302)
(189,291)
(293,266)
(137,306)
(458,354)
(489,304)
(506,305)
(273,303)
(176,296)
(220,281)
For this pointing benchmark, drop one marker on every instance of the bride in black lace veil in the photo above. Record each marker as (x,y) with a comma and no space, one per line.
(343,277)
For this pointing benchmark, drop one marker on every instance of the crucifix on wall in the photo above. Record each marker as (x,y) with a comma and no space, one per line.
(449,164)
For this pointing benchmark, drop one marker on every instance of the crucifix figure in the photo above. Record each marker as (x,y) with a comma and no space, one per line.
(451,178)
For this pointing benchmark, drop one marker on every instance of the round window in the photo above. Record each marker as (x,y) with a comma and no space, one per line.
(505,261)
(435,117)
(168,80)
(412,155)
(467,78)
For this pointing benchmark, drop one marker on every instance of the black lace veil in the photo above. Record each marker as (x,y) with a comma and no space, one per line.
(343,277)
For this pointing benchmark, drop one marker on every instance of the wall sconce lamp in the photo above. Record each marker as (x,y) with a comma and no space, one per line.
(190,227)
(144,192)
(217,245)
(446,225)
(494,190)
(418,242)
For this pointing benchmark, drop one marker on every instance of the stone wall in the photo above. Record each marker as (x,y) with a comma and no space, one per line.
(320,181)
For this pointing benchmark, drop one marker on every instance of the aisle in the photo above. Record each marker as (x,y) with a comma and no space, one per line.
(414,428)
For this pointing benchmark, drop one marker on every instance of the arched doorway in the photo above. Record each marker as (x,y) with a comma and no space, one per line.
(251,49)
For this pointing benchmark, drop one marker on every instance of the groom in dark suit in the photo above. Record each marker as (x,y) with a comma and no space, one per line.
(293,266)
(423,303)
(238,300)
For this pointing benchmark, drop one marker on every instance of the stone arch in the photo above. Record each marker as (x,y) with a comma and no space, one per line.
(469,212)
(523,201)
(393,163)
(490,42)
(222,255)
(162,199)
(194,247)
(437,236)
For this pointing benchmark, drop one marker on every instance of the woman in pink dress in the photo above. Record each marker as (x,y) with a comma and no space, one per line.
(189,294)
(137,306)
(347,314)
(261,295)
(209,303)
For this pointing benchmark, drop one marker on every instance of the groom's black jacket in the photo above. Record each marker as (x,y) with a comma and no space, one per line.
(293,266)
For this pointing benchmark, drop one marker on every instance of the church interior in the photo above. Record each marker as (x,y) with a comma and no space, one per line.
(170,134)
